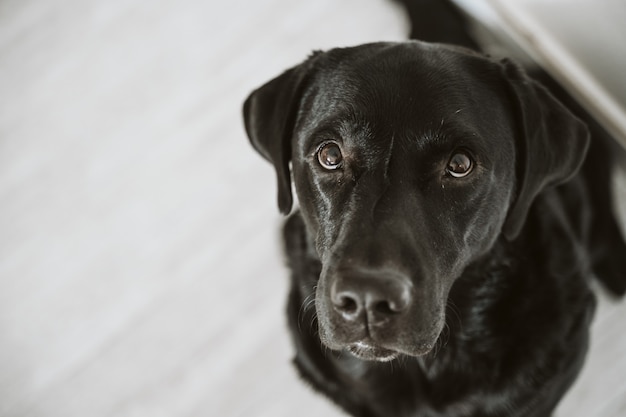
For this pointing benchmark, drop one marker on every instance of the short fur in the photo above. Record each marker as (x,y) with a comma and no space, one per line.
(415,293)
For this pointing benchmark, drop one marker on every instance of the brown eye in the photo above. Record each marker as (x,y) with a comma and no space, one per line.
(459,165)
(329,156)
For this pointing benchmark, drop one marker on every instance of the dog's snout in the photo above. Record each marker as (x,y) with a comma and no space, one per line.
(371,297)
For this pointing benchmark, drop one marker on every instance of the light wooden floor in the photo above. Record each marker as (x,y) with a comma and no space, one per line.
(140,273)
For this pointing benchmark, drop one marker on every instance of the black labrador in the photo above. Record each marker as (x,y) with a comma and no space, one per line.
(446,235)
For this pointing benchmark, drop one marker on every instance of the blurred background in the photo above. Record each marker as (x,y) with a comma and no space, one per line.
(140,263)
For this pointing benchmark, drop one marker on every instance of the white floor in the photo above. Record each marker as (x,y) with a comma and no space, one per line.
(140,270)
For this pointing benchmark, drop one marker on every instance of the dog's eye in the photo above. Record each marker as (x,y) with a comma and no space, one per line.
(459,165)
(329,156)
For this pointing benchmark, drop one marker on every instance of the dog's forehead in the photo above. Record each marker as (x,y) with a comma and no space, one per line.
(397,88)
(398,74)
(413,81)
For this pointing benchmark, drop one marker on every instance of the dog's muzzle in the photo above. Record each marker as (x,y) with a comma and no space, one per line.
(373,315)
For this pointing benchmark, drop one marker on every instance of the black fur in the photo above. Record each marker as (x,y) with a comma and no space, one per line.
(416,293)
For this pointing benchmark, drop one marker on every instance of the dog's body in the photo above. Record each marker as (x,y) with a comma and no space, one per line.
(444,227)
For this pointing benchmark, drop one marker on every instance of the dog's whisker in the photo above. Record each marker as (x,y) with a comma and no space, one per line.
(455,313)
(435,351)
(301,312)
(325,351)
(313,323)
(304,309)
(445,333)
(443,339)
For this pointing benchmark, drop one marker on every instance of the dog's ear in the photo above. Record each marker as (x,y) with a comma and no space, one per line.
(269,115)
(551,143)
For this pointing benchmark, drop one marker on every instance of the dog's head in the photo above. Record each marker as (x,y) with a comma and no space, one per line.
(409,161)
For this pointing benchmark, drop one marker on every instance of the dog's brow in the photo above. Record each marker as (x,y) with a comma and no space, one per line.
(355,126)
(345,121)
(444,135)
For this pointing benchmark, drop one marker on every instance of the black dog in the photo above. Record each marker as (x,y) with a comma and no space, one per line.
(444,225)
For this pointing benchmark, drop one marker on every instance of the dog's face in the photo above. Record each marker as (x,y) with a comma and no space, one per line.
(409,161)
(403,178)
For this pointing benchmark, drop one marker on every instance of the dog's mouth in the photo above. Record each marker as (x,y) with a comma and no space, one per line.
(367,351)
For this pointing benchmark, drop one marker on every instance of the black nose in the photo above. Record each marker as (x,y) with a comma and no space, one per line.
(375,297)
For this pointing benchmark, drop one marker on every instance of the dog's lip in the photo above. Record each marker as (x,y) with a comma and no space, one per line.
(366,350)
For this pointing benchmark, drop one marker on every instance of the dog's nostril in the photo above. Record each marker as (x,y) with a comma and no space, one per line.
(383,307)
(347,304)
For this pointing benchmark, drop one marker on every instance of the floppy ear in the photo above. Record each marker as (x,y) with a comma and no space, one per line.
(269,115)
(551,143)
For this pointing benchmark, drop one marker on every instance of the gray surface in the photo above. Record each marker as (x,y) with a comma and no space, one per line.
(594,32)
(140,273)
(581,43)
